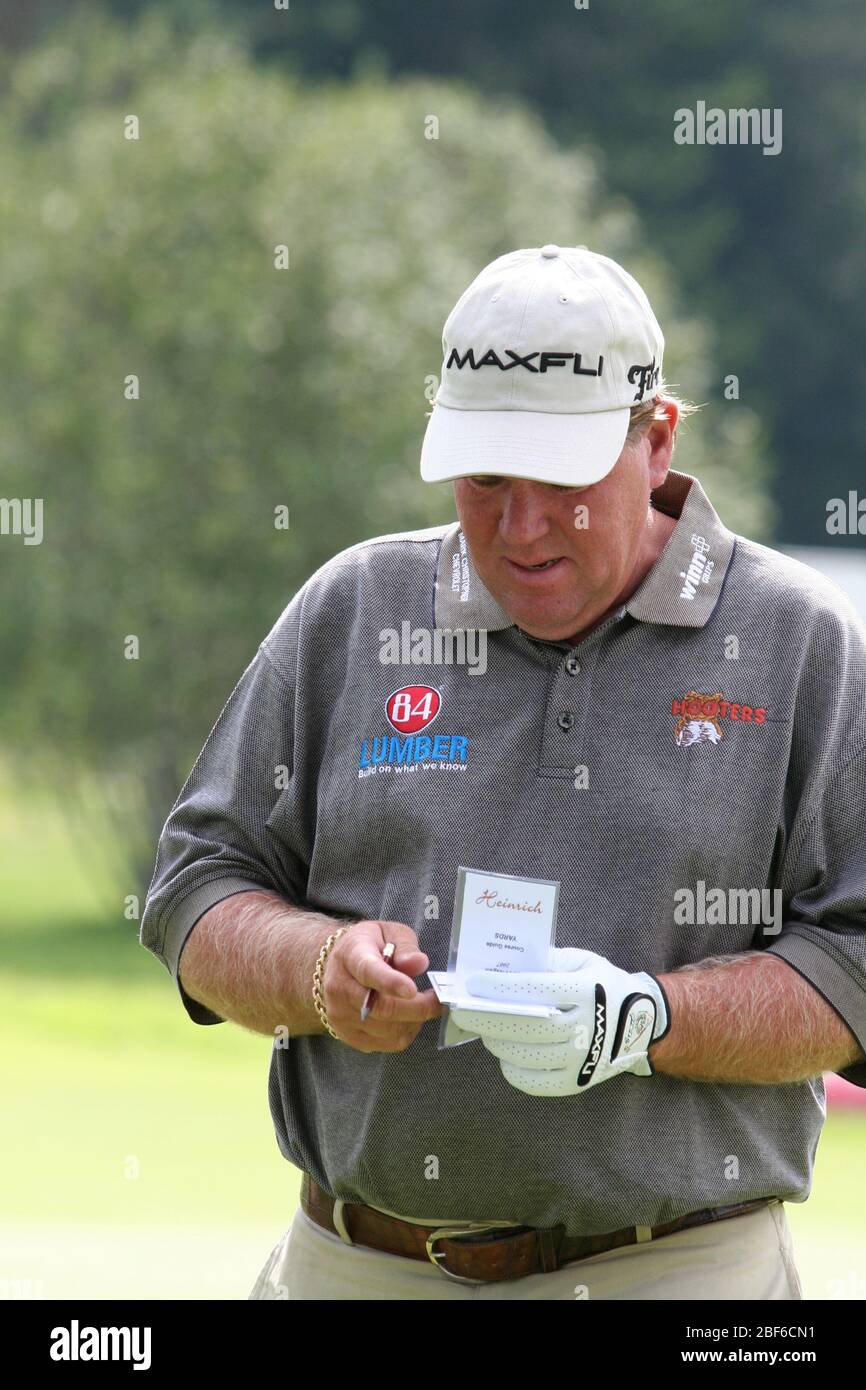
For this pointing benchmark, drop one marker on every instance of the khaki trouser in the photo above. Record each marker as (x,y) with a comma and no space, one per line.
(743,1257)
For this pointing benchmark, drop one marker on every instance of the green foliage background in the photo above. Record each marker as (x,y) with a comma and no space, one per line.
(260,388)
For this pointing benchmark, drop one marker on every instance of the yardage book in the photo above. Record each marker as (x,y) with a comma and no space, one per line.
(501,922)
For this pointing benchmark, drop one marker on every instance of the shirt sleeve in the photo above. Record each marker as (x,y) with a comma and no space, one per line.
(824,934)
(216,841)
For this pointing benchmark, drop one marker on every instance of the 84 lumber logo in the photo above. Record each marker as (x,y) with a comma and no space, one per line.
(410,710)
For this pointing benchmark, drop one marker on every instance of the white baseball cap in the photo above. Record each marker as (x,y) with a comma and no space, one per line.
(543,357)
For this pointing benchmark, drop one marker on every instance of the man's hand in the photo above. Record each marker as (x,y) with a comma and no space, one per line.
(355,965)
(610,1018)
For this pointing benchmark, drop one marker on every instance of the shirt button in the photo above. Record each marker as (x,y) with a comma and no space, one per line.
(572,666)
(565,720)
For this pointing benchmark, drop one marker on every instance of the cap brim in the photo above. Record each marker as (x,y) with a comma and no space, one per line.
(549,448)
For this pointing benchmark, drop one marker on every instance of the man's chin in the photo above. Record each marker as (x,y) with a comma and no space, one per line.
(548,610)
(551,626)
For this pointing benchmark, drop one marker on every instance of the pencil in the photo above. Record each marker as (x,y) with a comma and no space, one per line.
(366,1008)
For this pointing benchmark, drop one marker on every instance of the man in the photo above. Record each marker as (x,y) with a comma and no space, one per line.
(668,719)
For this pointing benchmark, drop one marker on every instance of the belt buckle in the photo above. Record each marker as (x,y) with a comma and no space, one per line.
(449,1232)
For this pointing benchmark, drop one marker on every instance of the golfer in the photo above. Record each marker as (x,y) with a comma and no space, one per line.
(664,717)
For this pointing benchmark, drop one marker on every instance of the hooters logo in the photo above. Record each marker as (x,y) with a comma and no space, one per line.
(699,717)
(412,708)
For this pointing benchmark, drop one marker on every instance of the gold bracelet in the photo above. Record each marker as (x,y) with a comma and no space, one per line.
(318,974)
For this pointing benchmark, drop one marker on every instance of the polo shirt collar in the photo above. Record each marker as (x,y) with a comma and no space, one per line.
(681,589)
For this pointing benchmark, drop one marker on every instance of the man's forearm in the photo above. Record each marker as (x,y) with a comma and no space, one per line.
(749,1018)
(251,959)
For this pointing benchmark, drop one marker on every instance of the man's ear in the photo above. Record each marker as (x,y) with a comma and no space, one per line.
(661,435)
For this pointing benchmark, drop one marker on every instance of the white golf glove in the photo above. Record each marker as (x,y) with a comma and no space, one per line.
(610,1018)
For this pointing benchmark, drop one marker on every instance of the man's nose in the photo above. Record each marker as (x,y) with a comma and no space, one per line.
(525,511)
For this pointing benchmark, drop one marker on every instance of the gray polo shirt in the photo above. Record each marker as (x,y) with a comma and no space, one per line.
(706,742)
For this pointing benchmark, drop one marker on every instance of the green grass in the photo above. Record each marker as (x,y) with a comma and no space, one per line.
(139,1156)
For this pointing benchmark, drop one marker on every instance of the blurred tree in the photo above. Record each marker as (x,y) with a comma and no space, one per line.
(260,388)
(768,247)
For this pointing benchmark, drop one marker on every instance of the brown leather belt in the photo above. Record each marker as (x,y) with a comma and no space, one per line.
(486,1256)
